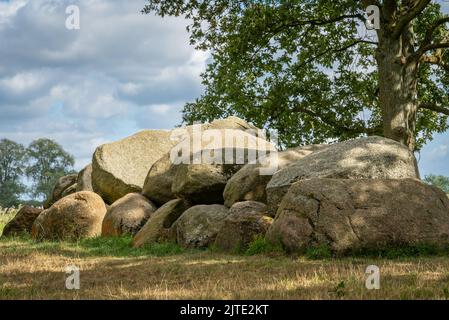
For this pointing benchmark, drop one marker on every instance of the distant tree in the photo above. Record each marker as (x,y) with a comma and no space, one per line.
(441,182)
(48,161)
(12,162)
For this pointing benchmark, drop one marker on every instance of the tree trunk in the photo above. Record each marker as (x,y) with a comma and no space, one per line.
(398,72)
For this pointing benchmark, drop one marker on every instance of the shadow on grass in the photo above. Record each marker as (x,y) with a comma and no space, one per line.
(94,247)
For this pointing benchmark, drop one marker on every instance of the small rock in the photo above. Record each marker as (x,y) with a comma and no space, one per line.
(198,226)
(22,223)
(245,222)
(157,228)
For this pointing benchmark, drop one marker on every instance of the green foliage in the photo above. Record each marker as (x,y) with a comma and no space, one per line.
(12,160)
(318,253)
(261,246)
(48,161)
(441,182)
(305,68)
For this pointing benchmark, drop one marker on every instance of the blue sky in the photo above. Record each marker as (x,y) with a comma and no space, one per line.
(120,73)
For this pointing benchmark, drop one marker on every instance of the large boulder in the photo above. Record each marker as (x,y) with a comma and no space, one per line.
(120,167)
(22,223)
(69,190)
(84,179)
(365,158)
(346,214)
(204,183)
(61,185)
(245,222)
(76,216)
(157,228)
(127,215)
(198,226)
(158,183)
(250,183)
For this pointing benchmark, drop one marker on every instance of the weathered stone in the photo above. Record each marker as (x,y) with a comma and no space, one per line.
(158,184)
(157,228)
(76,216)
(84,179)
(346,214)
(120,167)
(22,223)
(204,183)
(245,222)
(249,183)
(61,185)
(69,190)
(198,226)
(365,158)
(127,215)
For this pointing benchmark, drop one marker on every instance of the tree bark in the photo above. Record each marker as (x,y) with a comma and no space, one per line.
(398,72)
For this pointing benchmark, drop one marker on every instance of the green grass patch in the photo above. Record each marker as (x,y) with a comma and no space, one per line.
(100,246)
(318,253)
(261,246)
(405,251)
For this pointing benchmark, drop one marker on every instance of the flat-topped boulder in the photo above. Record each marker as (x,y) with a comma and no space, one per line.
(120,167)
(159,180)
(204,182)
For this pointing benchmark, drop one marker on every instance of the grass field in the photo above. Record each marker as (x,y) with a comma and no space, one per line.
(111,269)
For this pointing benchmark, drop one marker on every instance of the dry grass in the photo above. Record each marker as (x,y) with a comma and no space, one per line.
(112,270)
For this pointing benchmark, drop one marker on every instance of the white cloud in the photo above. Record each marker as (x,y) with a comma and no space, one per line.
(20,82)
(121,72)
(160,108)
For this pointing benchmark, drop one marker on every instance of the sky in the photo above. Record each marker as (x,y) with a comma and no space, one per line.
(120,73)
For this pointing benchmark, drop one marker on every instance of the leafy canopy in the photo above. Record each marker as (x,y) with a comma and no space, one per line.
(305,68)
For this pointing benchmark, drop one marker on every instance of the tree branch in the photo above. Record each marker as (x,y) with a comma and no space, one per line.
(431,30)
(433,46)
(335,50)
(408,15)
(336,124)
(434,107)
